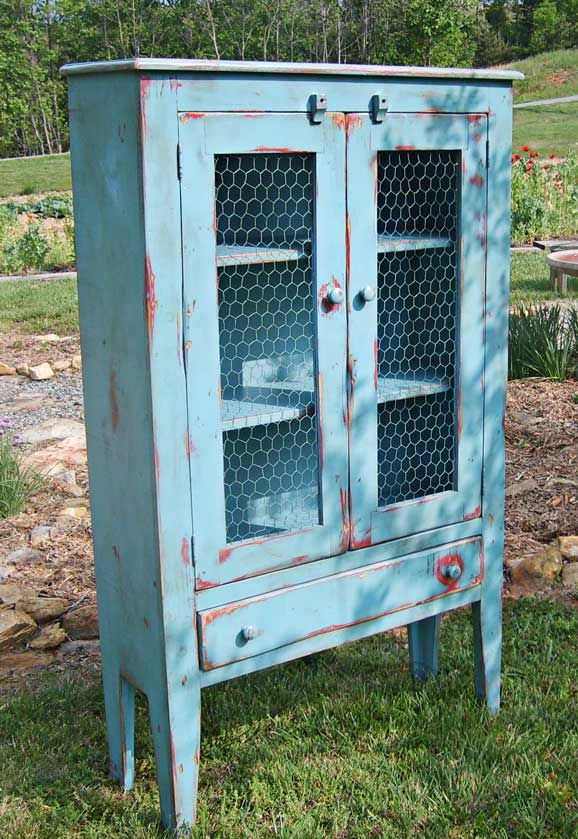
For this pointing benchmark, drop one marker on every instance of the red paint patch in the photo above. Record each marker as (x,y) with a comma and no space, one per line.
(151,301)
(298,560)
(192,115)
(326,305)
(405,148)
(114,412)
(203,585)
(474,118)
(225,554)
(477,180)
(174,84)
(364,542)
(338,120)
(476,138)
(186,551)
(475,514)
(352,122)
(443,562)
(278,150)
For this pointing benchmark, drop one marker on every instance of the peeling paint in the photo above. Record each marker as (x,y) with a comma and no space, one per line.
(477,180)
(327,307)
(190,115)
(186,551)
(151,302)
(113,399)
(338,120)
(475,514)
(444,561)
(405,148)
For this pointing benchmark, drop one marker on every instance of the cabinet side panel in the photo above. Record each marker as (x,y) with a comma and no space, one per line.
(104,125)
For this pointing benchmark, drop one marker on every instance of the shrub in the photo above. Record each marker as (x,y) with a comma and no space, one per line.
(544,196)
(25,252)
(18,482)
(543,342)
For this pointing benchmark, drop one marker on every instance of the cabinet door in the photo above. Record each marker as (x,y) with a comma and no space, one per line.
(416,276)
(263,225)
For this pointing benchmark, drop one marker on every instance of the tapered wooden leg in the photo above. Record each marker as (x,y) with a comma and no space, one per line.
(423,637)
(176,730)
(487,625)
(119,701)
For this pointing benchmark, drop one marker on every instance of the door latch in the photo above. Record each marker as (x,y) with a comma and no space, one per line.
(378,107)
(317,107)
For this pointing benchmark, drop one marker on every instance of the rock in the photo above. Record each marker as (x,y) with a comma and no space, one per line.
(73,490)
(40,535)
(82,623)
(40,372)
(51,338)
(53,429)
(76,363)
(570,577)
(568,546)
(15,627)
(23,556)
(87,646)
(5,572)
(50,636)
(71,450)
(23,370)
(59,366)
(11,662)
(74,513)
(6,370)
(66,476)
(535,569)
(40,608)
(24,403)
(521,487)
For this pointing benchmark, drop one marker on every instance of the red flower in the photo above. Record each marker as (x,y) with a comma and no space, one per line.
(515,158)
(551,155)
(546,166)
(534,154)
(524,148)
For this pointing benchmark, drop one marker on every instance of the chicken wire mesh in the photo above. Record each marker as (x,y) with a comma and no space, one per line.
(418,201)
(264,215)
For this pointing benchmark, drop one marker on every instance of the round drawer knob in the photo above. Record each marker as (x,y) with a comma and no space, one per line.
(367,293)
(334,295)
(453,571)
(248,633)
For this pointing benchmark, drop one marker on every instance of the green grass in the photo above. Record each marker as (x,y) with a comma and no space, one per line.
(39,307)
(547,128)
(530,280)
(548,75)
(26,175)
(342,747)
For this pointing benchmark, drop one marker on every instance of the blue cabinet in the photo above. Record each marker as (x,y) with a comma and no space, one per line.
(293,285)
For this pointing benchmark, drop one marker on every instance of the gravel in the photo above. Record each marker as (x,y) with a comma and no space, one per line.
(62,397)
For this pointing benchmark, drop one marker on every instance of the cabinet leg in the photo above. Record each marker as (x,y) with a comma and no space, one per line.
(119,701)
(487,625)
(423,637)
(176,731)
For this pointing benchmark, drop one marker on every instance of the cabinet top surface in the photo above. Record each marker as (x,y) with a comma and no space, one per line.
(178,65)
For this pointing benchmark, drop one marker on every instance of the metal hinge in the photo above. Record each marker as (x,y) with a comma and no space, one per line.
(179,169)
(487,154)
(316,107)
(378,107)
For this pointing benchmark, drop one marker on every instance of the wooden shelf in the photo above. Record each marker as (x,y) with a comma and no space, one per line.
(391,389)
(236,413)
(392,244)
(253,255)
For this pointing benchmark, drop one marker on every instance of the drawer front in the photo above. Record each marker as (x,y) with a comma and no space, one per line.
(259,624)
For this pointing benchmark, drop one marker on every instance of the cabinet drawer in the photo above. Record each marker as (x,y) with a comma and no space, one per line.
(256,625)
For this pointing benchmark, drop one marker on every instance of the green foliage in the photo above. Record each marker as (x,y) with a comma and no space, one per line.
(18,482)
(25,252)
(544,196)
(543,342)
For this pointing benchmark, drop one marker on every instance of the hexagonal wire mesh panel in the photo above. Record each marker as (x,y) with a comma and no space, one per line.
(264,212)
(418,206)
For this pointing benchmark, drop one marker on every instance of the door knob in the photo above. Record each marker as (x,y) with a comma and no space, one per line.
(248,633)
(452,572)
(334,295)
(367,293)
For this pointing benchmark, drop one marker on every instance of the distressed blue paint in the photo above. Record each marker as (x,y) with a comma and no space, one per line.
(147,264)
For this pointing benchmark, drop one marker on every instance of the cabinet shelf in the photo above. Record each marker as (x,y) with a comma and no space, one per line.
(237,413)
(257,255)
(391,244)
(391,389)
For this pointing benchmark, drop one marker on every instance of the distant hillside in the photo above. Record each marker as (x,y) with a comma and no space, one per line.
(548,75)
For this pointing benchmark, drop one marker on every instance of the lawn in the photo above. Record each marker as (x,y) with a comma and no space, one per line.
(530,280)
(343,746)
(28,175)
(547,128)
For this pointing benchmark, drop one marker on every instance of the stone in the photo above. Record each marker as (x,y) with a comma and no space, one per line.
(23,370)
(15,627)
(568,546)
(546,565)
(53,429)
(51,338)
(23,403)
(72,489)
(6,572)
(86,646)
(76,363)
(59,366)
(7,370)
(74,512)
(23,556)
(570,577)
(82,623)
(40,372)
(50,636)
(12,662)
(40,535)
(42,609)
(521,487)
